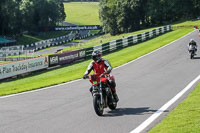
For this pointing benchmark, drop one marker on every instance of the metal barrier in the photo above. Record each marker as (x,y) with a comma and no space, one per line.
(21,67)
(127,41)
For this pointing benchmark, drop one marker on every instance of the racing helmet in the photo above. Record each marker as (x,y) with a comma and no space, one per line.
(191,40)
(96,55)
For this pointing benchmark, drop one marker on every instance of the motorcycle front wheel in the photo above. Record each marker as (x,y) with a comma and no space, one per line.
(112,106)
(97,105)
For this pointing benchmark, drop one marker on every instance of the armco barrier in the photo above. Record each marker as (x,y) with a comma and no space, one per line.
(127,41)
(107,47)
(17,68)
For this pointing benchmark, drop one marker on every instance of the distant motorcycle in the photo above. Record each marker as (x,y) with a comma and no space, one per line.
(192,51)
(102,94)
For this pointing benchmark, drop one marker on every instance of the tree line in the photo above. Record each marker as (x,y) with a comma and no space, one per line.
(80,0)
(119,16)
(17,16)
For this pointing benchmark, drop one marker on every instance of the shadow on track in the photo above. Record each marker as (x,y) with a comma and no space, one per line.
(130,111)
(196,57)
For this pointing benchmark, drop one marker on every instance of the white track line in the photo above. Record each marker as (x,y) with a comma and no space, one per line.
(81,79)
(147,122)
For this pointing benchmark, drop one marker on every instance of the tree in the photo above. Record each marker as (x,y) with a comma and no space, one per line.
(20,15)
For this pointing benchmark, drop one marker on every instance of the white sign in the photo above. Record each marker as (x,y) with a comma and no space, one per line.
(88,27)
(17,68)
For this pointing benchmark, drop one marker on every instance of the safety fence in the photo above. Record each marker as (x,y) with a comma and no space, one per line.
(127,41)
(51,42)
(17,50)
(59,40)
(26,66)
(82,54)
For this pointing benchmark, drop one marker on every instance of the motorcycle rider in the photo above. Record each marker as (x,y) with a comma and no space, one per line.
(192,46)
(102,67)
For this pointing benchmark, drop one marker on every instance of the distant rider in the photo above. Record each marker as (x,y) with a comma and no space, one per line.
(102,67)
(192,45)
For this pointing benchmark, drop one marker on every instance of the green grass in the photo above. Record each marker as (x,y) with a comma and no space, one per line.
(28,39)
(82,13)
(76,71)
(185,118)
(187,24)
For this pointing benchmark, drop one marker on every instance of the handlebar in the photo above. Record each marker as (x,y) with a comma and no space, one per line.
(88,76)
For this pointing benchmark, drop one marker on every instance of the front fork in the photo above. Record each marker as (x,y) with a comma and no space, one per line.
(97,91)
(101,94)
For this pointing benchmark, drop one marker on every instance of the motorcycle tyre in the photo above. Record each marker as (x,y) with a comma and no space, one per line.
(111,103)
(112,106)
(191,56)
(97,106)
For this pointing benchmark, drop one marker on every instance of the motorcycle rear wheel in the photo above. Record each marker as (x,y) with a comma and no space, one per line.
(191,56)
(97,105)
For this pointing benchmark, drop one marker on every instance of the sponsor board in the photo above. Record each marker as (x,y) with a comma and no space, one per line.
(82,53)
(21,67)
(86,27)
(66,57)
(53,60)
(69,57)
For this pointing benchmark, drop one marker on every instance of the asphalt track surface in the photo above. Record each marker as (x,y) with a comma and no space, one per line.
(143,87)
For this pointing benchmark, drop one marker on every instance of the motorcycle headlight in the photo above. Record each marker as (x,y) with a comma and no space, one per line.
(95,88)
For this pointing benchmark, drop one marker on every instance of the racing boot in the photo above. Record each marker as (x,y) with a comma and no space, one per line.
(115,97)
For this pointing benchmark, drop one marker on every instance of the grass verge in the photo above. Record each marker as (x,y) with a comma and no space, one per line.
(185,118)
(82,13)
(28,39)
(186,24)
(76,71)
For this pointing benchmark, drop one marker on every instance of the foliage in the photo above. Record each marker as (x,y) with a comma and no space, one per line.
(122,16)
(29,15)
(80,0)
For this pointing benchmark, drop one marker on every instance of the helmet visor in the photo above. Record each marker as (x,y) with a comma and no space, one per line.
(95,58)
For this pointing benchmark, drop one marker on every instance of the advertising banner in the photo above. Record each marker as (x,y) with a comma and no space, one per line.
(53,60)
(17,68)
(86,27)
(69,57)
